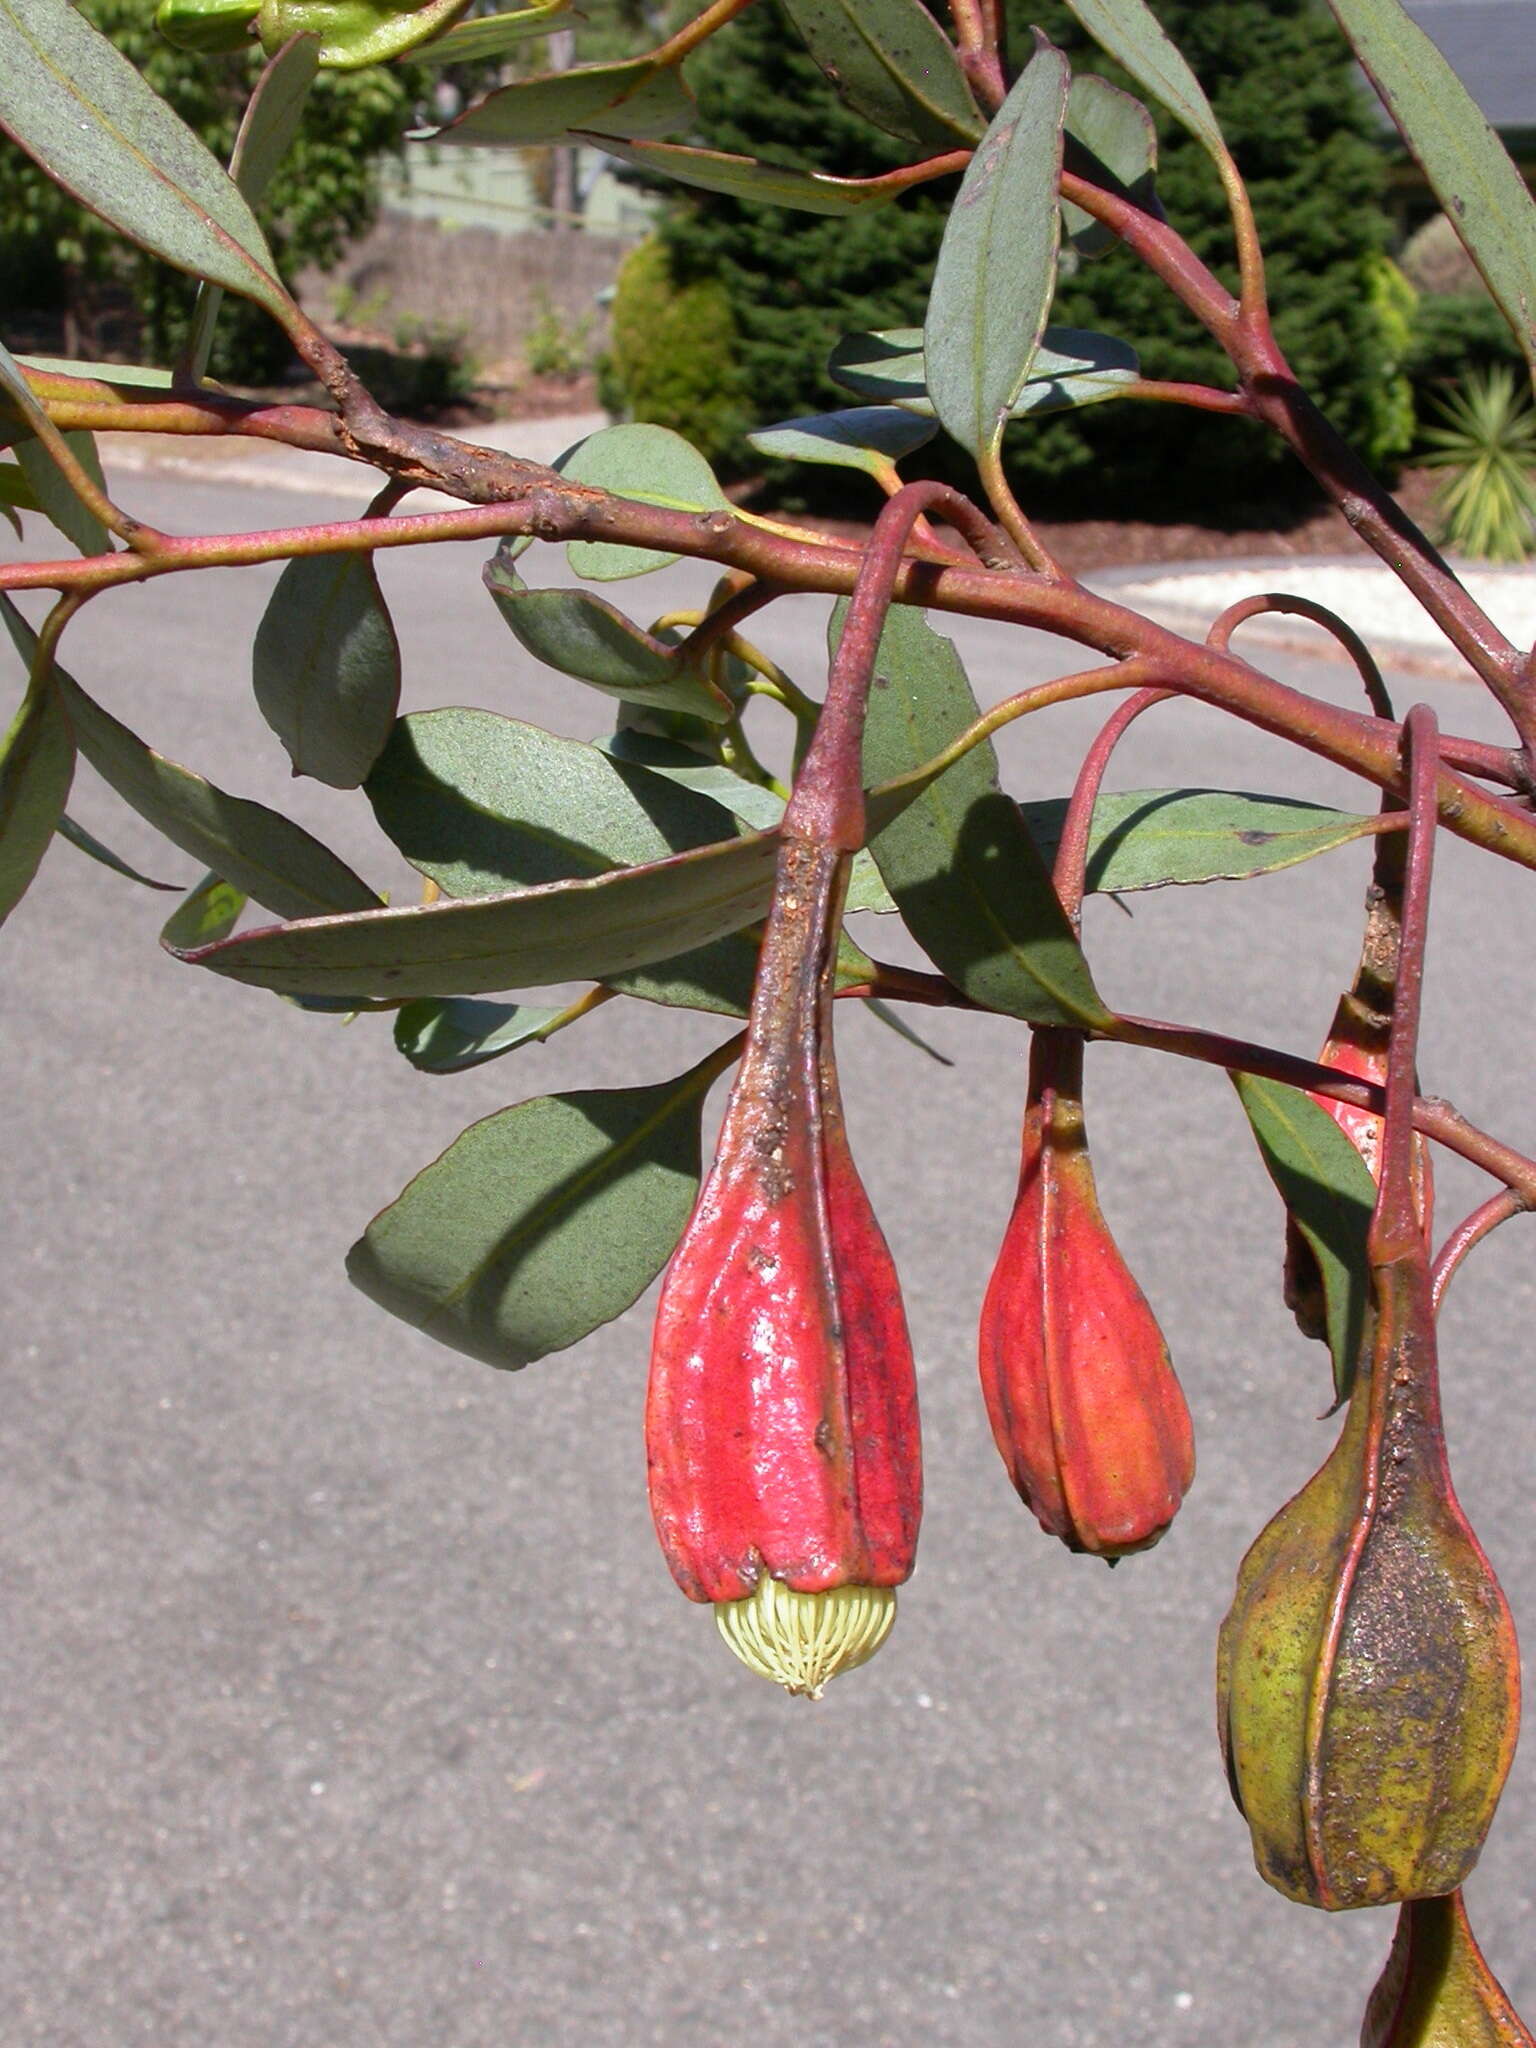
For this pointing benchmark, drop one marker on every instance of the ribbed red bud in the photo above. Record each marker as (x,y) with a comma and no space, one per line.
(1085,1407)
(781,1420)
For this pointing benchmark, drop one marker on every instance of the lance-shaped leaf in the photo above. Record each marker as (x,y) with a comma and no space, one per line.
(651,464)
(1072,366)
(892,63)
(449,1034)
(1484,196)
(471,42)
(267,855)
(81,109)
(867,437)
(965,874)
(630,99)
(996,271)
(89,844)
(1132,34)
(745,177)
(16,490)
(1149,838)
(55,498)
(585,636)
(267,128)
(1328,1188)
(541,1222)
(37,762)
(566,931)
(1112,141)
(209,911)
(482,803)
(326,667)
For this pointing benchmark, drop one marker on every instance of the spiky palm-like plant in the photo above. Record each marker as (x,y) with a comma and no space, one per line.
(1488,445)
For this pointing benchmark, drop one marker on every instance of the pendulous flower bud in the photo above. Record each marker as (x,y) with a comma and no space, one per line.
(781,1417)
(1368,1676)
(1085,1407)
(1436,1990)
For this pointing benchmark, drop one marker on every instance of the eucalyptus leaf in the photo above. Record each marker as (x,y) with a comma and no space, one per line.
(488,35)
(128,378)
(1485,196)
(966,876)
(55,497)
(891,62)
(450,1034)
(355,33)
(89,844)
(1131,33)
(267,128)
(481,803)
(264,853)
(630,99)
(585,636)
(1150,838)
(651,464)
(16,489)
(894,1021)
(1072,366)
(541,1222)
(326,666)
(745,177)
(996,272)
(1112,141)
(37,763)
(208,912)
(83,111)
(1328,1189)
(867,437)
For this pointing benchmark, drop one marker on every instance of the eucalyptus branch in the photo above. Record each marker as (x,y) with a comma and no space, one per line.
(1220,635)
(697,31)
(1071,869)
(1396,1230)
(977,41)
(1202,397)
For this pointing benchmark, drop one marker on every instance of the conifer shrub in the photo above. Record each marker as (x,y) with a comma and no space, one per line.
(672,357)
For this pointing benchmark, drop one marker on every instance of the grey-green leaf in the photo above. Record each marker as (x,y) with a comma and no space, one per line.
(867,437)
(892,63)
(89,844)
(1149,838)
(56,500)
(965,874)
(471,42)
(1072,366)
(1328,1188)
(651,464)
(585,636)
(745,177)
(628,99)
(83,111)
(326,667)
(1484,196)
(1112,141)
(37,762)
(587,930)
(448,1035)
(208,912)
(996,271)
(1133,36)
(541,1222)
(266,854)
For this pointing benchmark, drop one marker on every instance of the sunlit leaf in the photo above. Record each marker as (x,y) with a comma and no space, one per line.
(353,33)
(326,666)
(55,498)
(471,42)
(651,464)
(37,762)
(996,271)
(267,855)
(1485,196)
(1132,34)
(1148,838)
(1328,1188)
(1072,366)
(207,913)
(1112,141)
(83,111)
(541,1222)
(449,1034)
(585,636)
(867,437)
(628,99)
(745,177)
(969,884)
(891,62)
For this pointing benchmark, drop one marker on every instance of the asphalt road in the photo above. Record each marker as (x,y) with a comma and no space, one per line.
(347,1698)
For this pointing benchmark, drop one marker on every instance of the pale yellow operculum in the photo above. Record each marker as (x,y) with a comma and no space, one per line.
(800,1640)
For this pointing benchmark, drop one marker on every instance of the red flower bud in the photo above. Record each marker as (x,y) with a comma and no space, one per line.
(781,1420)
(1086,1410)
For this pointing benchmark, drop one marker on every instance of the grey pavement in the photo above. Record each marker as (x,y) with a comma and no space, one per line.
(348,1701)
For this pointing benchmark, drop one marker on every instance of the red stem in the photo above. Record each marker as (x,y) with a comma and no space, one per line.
(1470,1231)
(1221,633)
(1395,1228)
(1071,870)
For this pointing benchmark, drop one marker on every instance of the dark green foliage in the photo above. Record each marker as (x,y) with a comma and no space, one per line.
(55,257)
(1454,333)
(1279,76)
(672,357)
